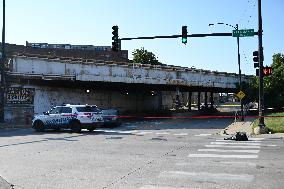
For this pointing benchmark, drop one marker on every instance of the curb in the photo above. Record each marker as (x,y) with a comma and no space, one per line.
(5,185)
(12,126)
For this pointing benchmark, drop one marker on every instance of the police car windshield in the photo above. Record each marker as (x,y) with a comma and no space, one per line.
(87,109)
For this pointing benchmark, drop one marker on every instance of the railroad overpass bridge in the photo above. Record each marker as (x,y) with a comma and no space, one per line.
(123,85)
(123,74)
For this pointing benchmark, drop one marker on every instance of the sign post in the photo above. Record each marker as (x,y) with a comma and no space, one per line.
(241,95)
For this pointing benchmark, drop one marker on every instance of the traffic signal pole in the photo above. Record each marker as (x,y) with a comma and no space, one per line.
(261,123)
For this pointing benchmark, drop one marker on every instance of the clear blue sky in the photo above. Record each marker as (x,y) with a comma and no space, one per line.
(90,22)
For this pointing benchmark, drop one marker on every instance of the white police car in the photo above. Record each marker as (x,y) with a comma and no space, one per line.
(74,117)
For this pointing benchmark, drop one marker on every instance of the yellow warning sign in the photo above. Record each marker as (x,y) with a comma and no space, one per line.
(241,95)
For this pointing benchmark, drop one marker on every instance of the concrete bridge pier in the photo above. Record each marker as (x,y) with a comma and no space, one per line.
(160,100)
(189,100)
(198,100)
(211,100)
(205,102)
(178,103)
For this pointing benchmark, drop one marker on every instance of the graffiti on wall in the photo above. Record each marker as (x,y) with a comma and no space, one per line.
(16,95)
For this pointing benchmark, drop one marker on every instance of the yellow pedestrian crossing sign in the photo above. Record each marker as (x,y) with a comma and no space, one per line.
(241,95)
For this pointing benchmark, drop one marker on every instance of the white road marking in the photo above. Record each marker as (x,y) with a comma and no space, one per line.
(144,133)
(159,187)
(237,143)
(223,156)
(256,139)
(250,141)
(106,131)
(134,131)
(205,176)
(163,133)
(237,164)
(181,134)
(270,145)
(127,132)
(116,131)
(222,163)
(220,150)
(203,135)
(224,146)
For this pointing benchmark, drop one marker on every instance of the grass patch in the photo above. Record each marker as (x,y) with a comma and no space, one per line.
(274,124)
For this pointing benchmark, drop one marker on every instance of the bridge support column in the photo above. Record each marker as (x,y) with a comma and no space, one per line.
(160,100)
(206,104)
(189,101)
(178,103)
(198,101)
(211,100)
(109,96)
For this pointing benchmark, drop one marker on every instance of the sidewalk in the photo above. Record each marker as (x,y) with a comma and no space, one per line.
(246,126)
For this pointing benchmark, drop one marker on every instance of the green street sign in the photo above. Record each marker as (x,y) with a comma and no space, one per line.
(243,33)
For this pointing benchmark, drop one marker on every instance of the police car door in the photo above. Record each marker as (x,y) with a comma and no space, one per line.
(66,116)
(54,116)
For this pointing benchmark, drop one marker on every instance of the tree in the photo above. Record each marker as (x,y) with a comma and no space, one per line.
(250,89)
(145,57)
(274,84)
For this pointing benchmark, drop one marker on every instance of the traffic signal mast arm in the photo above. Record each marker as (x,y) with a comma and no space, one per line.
(177,36)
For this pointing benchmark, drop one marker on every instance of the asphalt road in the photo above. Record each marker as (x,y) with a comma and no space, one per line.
(164,154)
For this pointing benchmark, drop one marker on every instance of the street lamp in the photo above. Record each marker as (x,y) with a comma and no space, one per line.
(239,63)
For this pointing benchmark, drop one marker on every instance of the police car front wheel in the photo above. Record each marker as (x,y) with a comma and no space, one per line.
(38,126)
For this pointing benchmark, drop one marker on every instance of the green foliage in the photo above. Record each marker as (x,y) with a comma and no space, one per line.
(273,84)
(251,90)
(275,123)
(145,57)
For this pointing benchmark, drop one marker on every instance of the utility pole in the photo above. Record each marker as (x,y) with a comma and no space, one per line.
(261,124)
(2,67)
(240,74)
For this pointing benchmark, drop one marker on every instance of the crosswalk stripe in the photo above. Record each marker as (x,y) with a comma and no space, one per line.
(230,143)
(256,139)
(159,187)
(223,156)
(205,176)
(225,146)
(233,141)
(220,150)
(239,164)
(163,133)
(126,132)
(203,135)
(144,133)
(181,134)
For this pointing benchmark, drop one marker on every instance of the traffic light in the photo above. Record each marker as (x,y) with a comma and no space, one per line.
(115,40)
(256,59)
(267,71)
(184,35)
(256,62)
